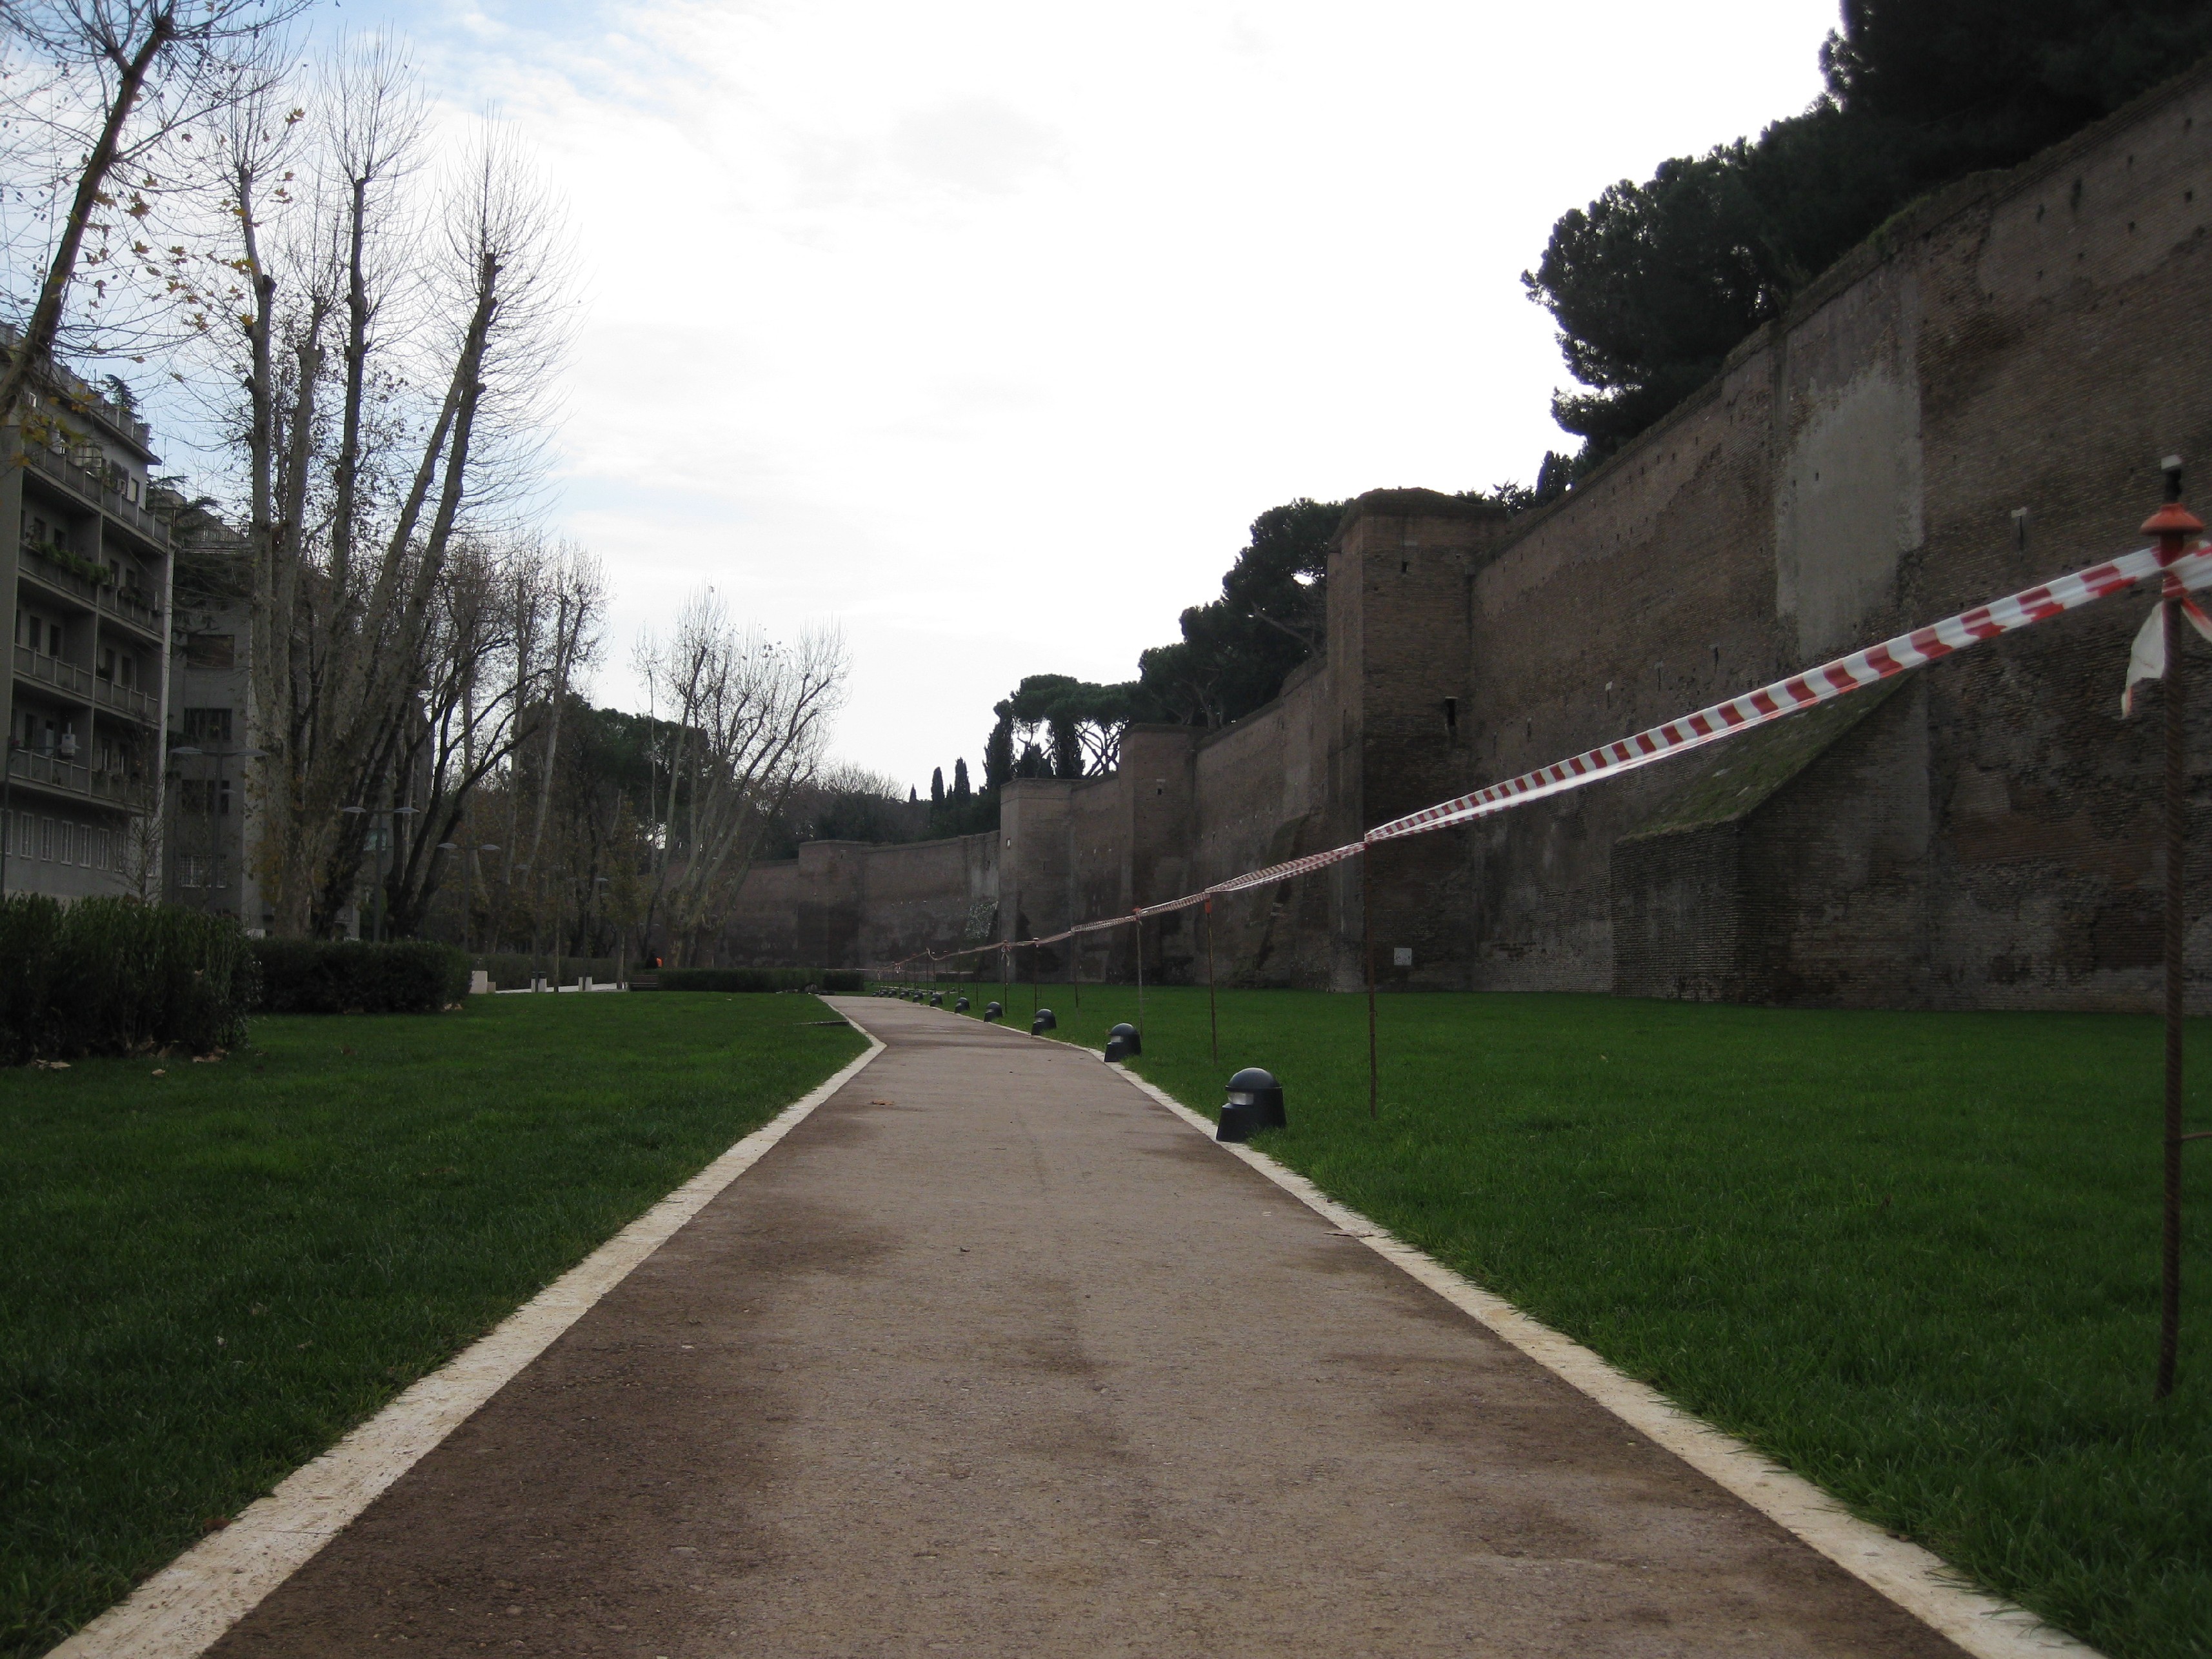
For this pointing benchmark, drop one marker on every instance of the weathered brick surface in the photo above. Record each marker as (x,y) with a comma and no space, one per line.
(1974,402)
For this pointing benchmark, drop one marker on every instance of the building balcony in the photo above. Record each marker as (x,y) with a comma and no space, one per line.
(122,700)
(125,604)
(92,489)
(39,563)
(128,605)
(65,677)
(59,776)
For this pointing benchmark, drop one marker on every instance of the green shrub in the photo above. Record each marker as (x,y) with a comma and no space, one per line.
(836,981)
(111,975)
(344,976)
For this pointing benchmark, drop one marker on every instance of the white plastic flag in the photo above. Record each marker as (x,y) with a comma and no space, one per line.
(2148,660)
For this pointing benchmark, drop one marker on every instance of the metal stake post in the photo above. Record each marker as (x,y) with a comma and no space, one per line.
(1212,1014)
(1367,939)
(2173,525)
(1140,978)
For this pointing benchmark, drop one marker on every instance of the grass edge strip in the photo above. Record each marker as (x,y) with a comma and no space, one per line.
(1918,1580)
(182,1610)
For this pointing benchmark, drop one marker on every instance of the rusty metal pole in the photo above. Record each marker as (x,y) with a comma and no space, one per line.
(1140,976)
(2173,525)
(1074,969)
(1367,940)
(1213,1015)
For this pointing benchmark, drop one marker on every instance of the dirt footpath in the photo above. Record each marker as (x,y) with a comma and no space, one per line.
(992,1356)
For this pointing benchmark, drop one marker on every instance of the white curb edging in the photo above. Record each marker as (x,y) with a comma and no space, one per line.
(1920,1582)
(182,1609)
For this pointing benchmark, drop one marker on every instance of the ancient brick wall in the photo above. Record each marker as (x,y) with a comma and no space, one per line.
(1260,795)
(1975,400)
(847,904)
(766,924)
(1968,405)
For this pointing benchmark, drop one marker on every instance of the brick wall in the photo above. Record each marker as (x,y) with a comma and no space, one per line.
(1973,401)
(2014,347)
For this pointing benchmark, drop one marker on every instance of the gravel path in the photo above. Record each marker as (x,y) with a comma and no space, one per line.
(991,1356)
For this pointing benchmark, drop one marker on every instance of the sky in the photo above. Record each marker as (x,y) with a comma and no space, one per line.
(983,330)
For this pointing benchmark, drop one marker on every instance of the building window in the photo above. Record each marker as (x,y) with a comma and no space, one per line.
(101,859)
(207,726)
(46,838)
(192,870)
(206,797)
(211,651)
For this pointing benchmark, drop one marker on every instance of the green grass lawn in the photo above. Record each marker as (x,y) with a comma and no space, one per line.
(211,1275)
(1912,1256)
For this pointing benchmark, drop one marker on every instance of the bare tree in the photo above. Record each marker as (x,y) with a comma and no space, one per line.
(749,719)
(115,87)
(509,632)
(360,495)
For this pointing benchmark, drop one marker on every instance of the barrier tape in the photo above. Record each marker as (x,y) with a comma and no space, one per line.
(1769,703)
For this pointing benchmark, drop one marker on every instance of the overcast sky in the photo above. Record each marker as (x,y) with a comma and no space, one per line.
(984,330)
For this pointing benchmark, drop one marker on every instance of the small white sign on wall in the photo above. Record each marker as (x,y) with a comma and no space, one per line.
(1402,956)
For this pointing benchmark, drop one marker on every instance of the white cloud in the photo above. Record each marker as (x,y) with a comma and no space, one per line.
(987,327)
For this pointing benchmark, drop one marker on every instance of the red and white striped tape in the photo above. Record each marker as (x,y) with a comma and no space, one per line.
(1817,685)
(1784,697)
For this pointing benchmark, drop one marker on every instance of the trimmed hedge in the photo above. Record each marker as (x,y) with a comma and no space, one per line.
(835,981)
(113,976)
(344,976)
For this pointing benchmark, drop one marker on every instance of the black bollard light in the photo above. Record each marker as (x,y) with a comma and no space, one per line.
(1131,1042)
(1117,1049)
(1044,1022)
(936,998)
(991,1011)
(1255,1102)
(960,1005)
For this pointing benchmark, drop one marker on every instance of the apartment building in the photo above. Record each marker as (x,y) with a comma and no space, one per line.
(84,585)
(208,865)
